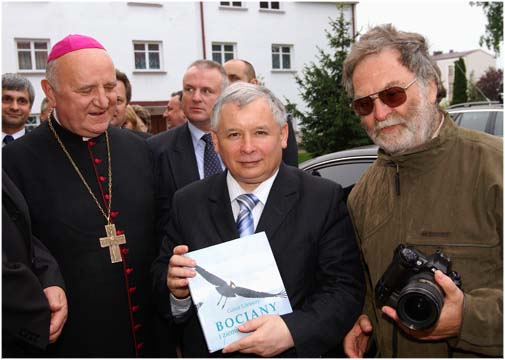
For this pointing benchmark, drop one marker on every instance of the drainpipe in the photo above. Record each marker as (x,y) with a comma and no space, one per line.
(203,30)
(353,17)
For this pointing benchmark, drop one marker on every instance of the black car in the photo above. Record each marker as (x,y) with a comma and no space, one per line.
(482,116)
(344,167)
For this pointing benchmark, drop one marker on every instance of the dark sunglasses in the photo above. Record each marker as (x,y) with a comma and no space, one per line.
(392,97)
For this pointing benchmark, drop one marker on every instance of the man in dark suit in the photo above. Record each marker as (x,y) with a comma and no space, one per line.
(304,218)
(34,305)
(179,154)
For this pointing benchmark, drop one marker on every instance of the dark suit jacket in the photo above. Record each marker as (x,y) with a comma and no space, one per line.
(27,268)
(312,239)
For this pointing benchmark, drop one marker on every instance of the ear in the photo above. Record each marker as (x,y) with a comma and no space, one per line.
(284,135)
(254,81)
(215,140)
(432,91)
(49,91)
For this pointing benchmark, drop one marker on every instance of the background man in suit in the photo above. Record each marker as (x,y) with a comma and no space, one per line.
(180,154)
(318,261)
(124,96)
(242,70)
(173,114)
(34,305)
(17,100)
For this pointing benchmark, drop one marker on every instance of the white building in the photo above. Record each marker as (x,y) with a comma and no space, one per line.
(476,62)
(154,42)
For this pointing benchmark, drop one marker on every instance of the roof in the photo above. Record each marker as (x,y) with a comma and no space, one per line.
(457,54)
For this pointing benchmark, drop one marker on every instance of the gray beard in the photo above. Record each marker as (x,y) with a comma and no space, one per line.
(413,133)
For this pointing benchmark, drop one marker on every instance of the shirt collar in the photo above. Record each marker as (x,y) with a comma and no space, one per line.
(16,135)
(58,121)
(261,192)
(196,133)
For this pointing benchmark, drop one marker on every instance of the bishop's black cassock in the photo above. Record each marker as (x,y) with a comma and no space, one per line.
(110,312)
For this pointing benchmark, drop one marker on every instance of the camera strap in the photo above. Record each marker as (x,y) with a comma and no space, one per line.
(395,341)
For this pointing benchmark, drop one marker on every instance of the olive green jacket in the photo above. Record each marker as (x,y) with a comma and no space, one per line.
(447,195)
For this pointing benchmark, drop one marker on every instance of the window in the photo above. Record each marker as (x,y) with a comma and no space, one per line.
(32,54)
(147,55)
(271,5)
(281,57)
(221,53)
(32,122)
(231,3)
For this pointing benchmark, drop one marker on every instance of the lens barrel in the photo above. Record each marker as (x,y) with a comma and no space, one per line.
(420,302)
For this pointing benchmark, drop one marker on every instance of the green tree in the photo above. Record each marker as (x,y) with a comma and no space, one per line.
(459,94)
(494,27)
(474,93)
(329,124)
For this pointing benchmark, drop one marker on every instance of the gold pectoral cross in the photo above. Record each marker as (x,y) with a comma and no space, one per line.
(113,241)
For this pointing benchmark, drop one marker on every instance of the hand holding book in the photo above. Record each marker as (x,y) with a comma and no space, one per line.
(270,337)
(180,268)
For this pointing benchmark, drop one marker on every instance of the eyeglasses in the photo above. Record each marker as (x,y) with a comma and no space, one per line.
(392,97)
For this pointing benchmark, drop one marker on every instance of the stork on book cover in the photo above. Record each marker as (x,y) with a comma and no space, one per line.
(236,281)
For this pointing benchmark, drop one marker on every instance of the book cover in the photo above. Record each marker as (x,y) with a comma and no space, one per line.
(236,281)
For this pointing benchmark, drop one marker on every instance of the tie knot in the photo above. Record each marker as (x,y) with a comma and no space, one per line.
(248,201)
(207,138)
(8,139)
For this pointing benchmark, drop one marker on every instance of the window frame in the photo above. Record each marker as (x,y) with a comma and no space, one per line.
(32,50)
(270,8)
(280,54)
(146,51)
(223,51)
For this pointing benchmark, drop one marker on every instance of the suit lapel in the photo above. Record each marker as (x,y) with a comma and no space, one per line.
(220,209)
(282,198)
(184,160)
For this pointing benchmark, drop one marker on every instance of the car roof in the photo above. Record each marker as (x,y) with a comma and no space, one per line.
(369,152)
(474,106)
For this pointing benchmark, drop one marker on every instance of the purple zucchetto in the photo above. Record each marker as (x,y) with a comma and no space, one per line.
(73,42)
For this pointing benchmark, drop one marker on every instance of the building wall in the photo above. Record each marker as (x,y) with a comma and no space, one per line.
(178,26)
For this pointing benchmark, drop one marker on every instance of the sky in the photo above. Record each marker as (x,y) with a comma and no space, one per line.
(448,24)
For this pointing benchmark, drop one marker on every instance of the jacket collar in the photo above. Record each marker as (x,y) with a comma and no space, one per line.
(283,195)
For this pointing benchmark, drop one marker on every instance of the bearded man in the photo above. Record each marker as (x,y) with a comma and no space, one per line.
(434,187)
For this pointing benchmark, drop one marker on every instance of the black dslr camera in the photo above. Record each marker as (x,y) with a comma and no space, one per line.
(408,285)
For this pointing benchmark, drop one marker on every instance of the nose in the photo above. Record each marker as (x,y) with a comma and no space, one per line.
(380,110)
(101,99)
(247,144)
(197,96)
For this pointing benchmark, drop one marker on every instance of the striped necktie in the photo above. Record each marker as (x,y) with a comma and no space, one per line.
(245,221)
(211,163)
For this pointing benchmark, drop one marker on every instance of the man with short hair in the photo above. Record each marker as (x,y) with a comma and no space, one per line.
(17,100)
(124,95)
(173,114)
(45,110)
(435,187)
(304,218)
(186,153)
(80,177)
(242,70)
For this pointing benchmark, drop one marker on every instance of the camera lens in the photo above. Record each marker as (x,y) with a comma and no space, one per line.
(420,302)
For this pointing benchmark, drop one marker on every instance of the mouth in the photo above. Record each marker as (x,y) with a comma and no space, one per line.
(249,163)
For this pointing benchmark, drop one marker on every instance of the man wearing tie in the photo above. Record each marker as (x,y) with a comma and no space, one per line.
(17,100)
(304,218)
(186,153)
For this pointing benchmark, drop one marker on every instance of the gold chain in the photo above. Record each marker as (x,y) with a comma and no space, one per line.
(107,216)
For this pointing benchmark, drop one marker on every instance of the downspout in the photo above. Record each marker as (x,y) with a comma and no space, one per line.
(202,23)
(353,16)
